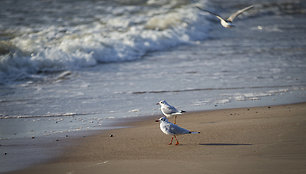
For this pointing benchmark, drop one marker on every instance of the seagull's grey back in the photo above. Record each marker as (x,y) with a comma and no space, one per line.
(170,128)
(169,109)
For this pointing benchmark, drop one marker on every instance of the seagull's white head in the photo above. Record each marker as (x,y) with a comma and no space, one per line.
(163,102)
(162,119)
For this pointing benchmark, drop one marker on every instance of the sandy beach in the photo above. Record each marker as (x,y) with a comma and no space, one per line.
(267,139)
(69,68)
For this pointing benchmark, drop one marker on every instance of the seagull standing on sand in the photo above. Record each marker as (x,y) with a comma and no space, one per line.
(172,129)
(228,23)
(168,110)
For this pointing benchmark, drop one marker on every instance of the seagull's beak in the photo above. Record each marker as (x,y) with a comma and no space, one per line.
(157,103)
(156,120)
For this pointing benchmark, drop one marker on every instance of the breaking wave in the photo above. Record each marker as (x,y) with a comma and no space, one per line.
(67,35)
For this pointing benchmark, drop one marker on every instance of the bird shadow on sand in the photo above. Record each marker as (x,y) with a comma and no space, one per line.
(224,144)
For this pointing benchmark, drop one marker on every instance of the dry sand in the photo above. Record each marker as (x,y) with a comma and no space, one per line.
(249,140)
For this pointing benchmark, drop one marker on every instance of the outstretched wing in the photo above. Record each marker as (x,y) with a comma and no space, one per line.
(218,16)
(237,13)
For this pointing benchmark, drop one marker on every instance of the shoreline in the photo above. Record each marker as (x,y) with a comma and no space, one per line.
(251,137)
(258,63)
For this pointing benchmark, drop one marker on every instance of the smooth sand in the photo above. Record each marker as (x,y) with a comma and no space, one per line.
(249,140)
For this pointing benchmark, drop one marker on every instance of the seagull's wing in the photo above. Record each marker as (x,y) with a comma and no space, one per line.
(237,13)
(218,16)
(176,130)
(169,109)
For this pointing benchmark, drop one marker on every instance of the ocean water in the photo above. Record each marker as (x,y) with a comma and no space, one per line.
(71,66)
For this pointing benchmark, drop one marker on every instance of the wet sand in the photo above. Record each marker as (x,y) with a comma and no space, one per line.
(267,139)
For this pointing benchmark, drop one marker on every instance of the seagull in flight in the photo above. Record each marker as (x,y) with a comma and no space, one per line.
(228,23)
(168,110)
(172,129)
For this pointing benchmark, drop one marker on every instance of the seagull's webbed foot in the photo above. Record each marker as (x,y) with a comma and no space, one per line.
(177,143)
(171,141)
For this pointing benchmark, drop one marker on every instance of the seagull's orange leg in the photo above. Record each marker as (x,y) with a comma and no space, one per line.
(177,143)
(171,141)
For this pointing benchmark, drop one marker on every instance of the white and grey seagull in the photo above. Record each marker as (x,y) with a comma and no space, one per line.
(168,110)
(228,23)
(172,129)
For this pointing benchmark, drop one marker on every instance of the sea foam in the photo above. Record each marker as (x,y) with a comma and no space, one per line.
(122,33)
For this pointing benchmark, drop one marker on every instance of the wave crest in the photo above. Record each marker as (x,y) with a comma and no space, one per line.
(101,38)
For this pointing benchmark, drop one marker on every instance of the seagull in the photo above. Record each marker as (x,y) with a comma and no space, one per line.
(168,110)
(228,23)
(172,129)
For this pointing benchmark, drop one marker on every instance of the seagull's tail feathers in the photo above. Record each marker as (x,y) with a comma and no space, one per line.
(179,112)
(194,132)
